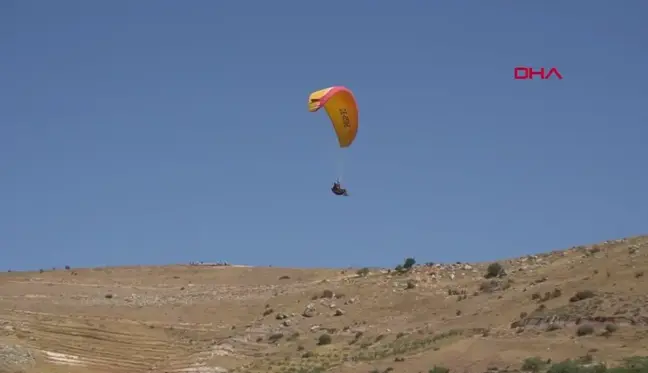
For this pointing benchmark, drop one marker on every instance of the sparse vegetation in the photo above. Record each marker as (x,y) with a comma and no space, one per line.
(363,272)
(585,329)
(609,329)
(490,286)
(308,354)
(585,364)
(454,291)
(439,369)
(275,337)
(377,323)
(533,364)
(556,293)
(582,295)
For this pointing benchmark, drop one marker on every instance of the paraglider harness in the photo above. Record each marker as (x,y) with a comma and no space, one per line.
(338,190)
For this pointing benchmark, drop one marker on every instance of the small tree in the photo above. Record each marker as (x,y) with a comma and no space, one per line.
(409,263)
(495,270)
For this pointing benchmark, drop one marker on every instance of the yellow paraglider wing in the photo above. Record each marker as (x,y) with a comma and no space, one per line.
(341,107)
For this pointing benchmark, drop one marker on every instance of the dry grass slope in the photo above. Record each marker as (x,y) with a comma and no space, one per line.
(585,301)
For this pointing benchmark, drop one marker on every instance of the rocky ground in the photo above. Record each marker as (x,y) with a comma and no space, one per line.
(588,301)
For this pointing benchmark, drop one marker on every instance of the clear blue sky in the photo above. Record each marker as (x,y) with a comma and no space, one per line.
(151,132)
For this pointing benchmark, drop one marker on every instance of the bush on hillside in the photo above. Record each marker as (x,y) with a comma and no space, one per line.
(495,270)
(439,369)
(362,272)
(533,364)
(582,295)
(324,339)
(585,329)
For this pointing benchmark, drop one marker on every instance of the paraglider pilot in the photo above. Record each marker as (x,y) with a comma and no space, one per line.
(338,190)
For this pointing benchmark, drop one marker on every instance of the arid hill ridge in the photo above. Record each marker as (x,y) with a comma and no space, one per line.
(471,317)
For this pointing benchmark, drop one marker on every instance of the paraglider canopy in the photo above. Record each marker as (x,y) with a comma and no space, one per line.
(341,107)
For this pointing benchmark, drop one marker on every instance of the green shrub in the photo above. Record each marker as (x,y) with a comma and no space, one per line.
(567,366)
(324,339)
(635,364)
(533,364)
(585,329)
(582,295)
(362,272)
(439,369)
(275,337)
(495,270)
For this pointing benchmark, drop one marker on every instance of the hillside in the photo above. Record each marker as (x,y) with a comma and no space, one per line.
(251,319)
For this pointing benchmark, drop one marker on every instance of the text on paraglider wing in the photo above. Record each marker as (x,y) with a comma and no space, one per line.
(527,73)
(345,118)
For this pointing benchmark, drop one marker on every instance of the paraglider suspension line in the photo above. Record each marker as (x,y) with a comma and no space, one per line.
(340,165)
